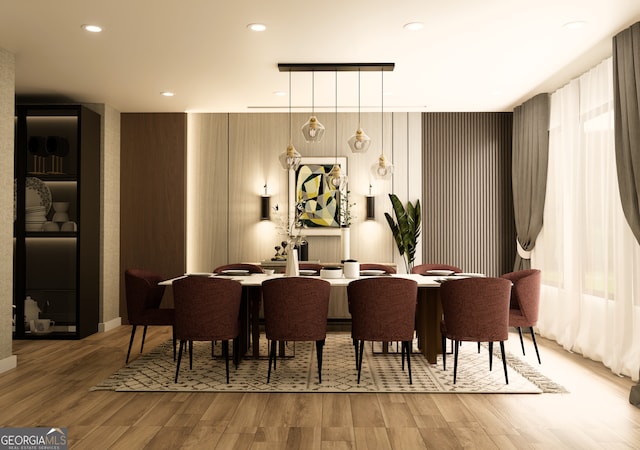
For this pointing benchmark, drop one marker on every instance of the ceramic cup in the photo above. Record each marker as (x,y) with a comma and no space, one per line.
(50,226)
(68,226)
(41,325)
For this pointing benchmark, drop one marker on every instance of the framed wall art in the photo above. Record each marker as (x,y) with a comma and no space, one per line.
(316,205)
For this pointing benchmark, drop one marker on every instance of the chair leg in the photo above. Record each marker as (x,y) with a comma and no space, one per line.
(272,357)
(173,336)
(236,352)
(190,355)
(521,341)
(490,355)
(504,362)
(179,359)
(361,345)
(319,348)
(407,345)
(355,346)
(144,335)
(444,352)
(213,344)
(478,347)
(401,354)
(535,344)
(455,361)
(225,352)
(133,333)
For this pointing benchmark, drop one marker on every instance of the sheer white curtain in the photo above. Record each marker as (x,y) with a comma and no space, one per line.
(590,260)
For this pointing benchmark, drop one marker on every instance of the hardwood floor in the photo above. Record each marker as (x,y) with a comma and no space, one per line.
(50,387)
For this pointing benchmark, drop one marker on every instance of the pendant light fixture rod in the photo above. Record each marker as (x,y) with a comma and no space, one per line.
(335,67)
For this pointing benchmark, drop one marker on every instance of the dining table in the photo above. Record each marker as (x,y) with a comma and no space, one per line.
(428,307)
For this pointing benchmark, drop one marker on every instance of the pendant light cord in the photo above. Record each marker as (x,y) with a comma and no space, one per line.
(336,118)
(290,129)
(382,111)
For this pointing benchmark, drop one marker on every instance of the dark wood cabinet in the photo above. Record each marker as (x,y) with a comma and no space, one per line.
(57,221)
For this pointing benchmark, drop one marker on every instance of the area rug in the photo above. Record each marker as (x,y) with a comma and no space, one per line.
(297,372)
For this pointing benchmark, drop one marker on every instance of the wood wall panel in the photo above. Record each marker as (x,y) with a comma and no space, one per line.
(152,196)
(468,203)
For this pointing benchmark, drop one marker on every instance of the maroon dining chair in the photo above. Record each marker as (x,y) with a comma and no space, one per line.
(373,266)
(252,268)
(475,310)
(383,309)
(424,268)
(525,302)
(207,309)
(143,296)
(295,309)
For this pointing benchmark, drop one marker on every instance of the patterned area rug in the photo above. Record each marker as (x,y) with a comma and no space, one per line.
(297,372)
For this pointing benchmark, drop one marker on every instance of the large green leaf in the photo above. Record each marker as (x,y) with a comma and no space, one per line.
(405,228)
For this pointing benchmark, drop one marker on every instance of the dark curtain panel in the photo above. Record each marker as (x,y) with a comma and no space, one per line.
(626,94)
(529,173)
(626,97)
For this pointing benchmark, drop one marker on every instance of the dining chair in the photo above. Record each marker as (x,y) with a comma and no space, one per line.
(525,302)
(252,268)
(207,309)
(296,309)
(373,266)
(475,310)
(424,268)
(143,296)
(383,309)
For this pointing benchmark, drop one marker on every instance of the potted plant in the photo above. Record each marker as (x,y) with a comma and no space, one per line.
(405,228)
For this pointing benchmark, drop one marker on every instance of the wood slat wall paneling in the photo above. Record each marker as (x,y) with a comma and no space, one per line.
(152,197)
(468,202)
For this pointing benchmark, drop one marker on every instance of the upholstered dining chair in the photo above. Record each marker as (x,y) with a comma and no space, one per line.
(525,302)
(296,309)
(475,310)
(383,309)
(424,268)
(143,296)
(207,309)
(252,268)
(374,266)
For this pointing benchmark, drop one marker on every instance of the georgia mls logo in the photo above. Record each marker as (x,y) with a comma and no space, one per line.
(33,439)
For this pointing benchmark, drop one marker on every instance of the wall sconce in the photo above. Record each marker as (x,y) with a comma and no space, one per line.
(265,205)
(371,206)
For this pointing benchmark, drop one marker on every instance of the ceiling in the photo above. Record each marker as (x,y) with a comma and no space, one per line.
(470,56)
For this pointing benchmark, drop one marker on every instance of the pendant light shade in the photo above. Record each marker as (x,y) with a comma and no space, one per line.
(383,169)
(359,142)
(312,130)
(290,158)
(336,178)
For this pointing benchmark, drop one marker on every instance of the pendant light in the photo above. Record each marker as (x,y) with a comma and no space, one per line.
(290,158)
(359,142)
(382,169)
(313,130)
(336,179)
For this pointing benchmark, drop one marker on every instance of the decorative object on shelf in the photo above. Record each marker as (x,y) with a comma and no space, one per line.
(31,310)
(37,193)
(57,147)
(336,179)
(36,146)
(359,142)
(265,205)
(370,206)
(405,229)
(50,226)
(382,169)
(60,214)
(34,218)
(69,226)
(290,158)
(312,130)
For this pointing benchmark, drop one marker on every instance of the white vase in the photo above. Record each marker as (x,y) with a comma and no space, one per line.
(345,243)
(292,269)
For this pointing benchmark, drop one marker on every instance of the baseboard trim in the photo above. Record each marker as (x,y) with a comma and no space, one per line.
(8,363)
(110,325)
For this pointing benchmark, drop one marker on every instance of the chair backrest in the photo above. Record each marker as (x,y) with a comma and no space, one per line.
(296,308)
(525,293)
(373,266)
(476,309)
(383,309)
(423,268)
(142,293)
(252,268)
(207,309)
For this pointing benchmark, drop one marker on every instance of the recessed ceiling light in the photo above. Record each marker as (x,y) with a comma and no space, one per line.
(257,26)
(280,93)
(92,28)
(413,26)
(167,94)
(576,24)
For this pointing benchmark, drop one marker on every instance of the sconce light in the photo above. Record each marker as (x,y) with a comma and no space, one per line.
(371,206)
(265,205)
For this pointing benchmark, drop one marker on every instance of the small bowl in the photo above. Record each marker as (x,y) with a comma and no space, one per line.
(331,272)
(269,271)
